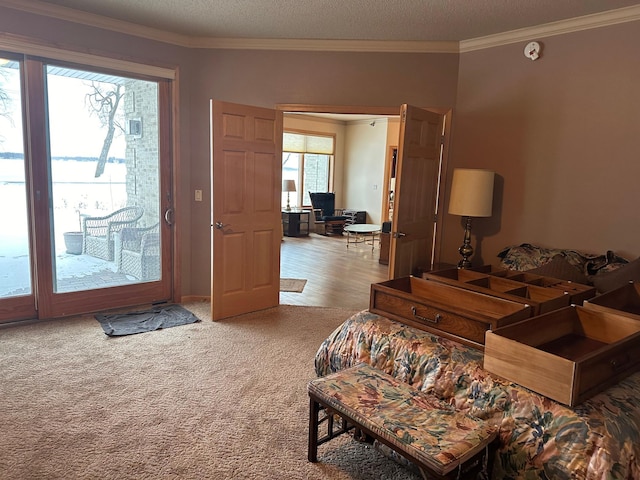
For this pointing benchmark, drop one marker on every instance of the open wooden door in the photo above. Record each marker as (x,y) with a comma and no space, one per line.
(418,171)
(246,172)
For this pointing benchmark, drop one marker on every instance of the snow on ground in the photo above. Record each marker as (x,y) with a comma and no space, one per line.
(75,191)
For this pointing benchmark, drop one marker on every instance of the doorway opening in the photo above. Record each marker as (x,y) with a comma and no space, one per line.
(334,283)
(384,184)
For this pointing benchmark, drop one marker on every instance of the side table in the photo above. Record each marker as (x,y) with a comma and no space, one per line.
(295,223)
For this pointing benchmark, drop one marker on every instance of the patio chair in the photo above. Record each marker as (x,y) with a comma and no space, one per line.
(324,209)
(98,233)
(138,252)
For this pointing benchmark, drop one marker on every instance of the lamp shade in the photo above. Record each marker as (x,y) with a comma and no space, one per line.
(288,185)
(471,192)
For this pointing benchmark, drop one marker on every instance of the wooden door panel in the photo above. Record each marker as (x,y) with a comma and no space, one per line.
(417,188)
(233,168)
(234,278)
(265,183)
(263,268)
(264,129)
(246,184)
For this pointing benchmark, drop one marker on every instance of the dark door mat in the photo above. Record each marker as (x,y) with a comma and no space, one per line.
(165,316)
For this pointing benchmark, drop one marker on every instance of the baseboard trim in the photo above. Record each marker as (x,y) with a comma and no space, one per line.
(195,298)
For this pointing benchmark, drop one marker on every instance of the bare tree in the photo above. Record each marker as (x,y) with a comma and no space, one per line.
(4,104)
(5,101)
(4,96)
(104,103)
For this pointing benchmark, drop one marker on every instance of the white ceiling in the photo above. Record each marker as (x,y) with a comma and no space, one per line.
(374,20)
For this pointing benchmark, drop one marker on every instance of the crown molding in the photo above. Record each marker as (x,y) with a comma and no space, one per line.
(325,45)
(97,21)
(28,46)
(586,22)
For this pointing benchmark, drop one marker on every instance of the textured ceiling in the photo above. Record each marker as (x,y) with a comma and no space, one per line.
(396,20)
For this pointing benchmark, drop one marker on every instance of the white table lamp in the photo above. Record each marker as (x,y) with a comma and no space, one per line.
(288,186)
(471,196)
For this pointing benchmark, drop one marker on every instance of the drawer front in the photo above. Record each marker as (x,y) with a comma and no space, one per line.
(433,317)
(601,371)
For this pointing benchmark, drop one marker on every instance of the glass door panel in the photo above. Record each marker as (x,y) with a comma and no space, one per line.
(15,257)
(104,179)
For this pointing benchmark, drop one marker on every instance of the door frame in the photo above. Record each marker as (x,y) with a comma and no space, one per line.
(390,111)
(43,303)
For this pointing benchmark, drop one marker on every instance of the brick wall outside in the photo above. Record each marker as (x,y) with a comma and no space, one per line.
(142,152)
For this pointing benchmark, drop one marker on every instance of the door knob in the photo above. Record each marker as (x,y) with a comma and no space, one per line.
(168,216)
(220,225)
(399,234)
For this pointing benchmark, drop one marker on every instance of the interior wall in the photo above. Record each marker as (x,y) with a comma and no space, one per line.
(562,134)
(365,152)
(314,78)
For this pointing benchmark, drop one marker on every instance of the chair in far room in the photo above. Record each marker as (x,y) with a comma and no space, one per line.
(324,209)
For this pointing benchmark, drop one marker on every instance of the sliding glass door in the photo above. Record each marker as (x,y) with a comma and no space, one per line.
(104,168)
(16,284)
(95,182)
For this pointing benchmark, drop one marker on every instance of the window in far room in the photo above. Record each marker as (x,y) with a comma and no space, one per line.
(307,158)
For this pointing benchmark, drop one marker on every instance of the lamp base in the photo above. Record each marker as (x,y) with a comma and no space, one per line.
(466,250)
(464,263)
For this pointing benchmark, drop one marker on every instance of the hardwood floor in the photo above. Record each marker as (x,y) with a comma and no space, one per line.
(336,276)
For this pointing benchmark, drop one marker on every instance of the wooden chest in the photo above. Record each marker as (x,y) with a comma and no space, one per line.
(624,300)
(567,355)
(541,298)
(456,313)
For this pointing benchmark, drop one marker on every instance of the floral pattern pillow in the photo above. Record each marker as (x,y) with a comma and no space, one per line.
(527,257)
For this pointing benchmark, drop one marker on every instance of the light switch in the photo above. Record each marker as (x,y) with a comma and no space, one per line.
(198,195)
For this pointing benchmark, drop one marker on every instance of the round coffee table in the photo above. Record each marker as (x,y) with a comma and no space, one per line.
(362,233)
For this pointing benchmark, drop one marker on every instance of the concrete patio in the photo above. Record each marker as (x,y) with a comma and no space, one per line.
(73,273)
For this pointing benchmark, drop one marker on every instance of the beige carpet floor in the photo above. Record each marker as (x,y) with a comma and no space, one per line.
(209,400)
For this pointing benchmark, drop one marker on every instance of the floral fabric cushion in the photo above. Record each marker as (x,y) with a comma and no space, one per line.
(538,438)
(418,424)
(527,257)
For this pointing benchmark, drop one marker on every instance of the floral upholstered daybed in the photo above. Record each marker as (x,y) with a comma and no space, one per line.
(538,437)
